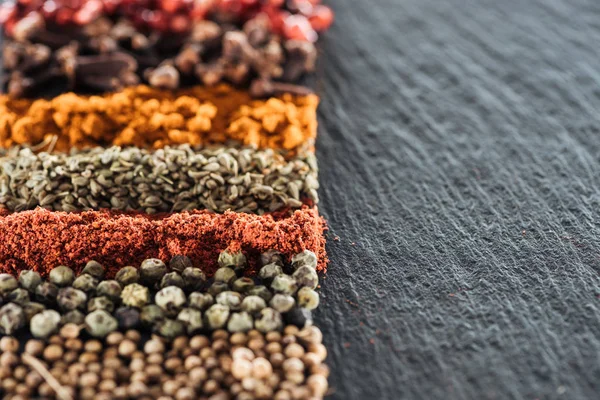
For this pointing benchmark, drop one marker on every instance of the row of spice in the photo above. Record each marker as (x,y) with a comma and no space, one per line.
(165,43)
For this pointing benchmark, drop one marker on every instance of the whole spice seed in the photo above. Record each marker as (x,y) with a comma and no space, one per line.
(38,239)
(189,116)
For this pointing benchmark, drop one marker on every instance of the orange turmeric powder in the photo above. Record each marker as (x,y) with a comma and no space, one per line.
(152,118)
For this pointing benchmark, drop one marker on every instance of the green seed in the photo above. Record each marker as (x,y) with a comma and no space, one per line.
(284,284)
(127,275)
(111,289)
(270,271)
(32,308)
(152,314)
(8,283)
(29,280)
(180,263)
(217,287)
(216,316)
(193,278)
(100,303)
(135,295)
(73,317)
(86,283)
(261,291)
(94,269)
(172,279)
(242,285)
(253,304)
(12,318)
(128,317)
(282,302)
(192,319)
(306,276)
(61,276)
(71,299)
(100,323)
(46,293)
(236,260)
(200,301)
(306,258)
(240,322)
(44,324)
(225,274)
(308,298)
(151,271)
(171,299)
(19,296)
(170,328)
(232,300)
(269,320)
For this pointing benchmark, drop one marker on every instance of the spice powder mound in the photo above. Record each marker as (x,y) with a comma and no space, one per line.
(41,239)
(151,118)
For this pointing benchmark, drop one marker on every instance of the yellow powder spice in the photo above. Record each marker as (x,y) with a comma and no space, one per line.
(152,118)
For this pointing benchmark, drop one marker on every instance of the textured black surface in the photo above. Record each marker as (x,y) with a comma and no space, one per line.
(459,151)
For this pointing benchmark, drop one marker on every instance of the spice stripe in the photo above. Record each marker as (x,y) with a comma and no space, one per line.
(151,118)
(42,239)
(172,179)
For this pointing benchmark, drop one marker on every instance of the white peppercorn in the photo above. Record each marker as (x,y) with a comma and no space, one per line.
(44,324)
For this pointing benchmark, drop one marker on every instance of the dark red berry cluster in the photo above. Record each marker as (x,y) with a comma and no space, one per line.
(294,19)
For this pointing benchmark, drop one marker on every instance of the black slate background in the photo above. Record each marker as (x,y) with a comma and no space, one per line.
(460,168)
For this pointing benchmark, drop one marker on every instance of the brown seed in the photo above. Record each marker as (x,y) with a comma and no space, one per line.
(87,393)
(277,359)
(94,346)
(210,386)
(261,368)
(180,343)
(20,372)
(127,348)
(319,349)
(8,343)
(88,379)
(185,393)
(95,367)
(139,376)
(69,331)
(273,336)
(317,385)
(241,368)
(155,358)
(8,360)
(137,389)
(294,350)
(133,335)
(34,347)
(243,353)
(198,375)
(320,369)
(170,387)
(137,365)
(55,339)
(53,352)
(154,346)
(114,338)
(88,357)
(199,342)
(9,385)
(73,344)
(206,352)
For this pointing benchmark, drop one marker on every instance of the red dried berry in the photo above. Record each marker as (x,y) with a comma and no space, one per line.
(321,18)
(297,27)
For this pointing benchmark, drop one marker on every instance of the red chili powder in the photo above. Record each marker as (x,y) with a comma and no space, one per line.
(41,240)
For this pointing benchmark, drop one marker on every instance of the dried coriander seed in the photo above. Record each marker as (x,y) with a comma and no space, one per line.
(69,299)
(8,283)
(61,276)
(94,269)
(135,295)
(100,323)
(29,280)
(152,271)
(127,275)
(44,324)
(180,263)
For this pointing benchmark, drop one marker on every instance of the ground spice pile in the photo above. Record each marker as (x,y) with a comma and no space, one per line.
(151,118)
(41,239)
(172,179)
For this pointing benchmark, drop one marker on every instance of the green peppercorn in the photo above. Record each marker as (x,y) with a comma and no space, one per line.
(217,287)
(19,296)
(200,301)
(305,258)
(225,274)
(12,318)
(151,315)
(8,283)
(71,299)
(135,295)
(29,280)
(180,263)
(233,300)
(282,302)
(306,276)
(240,322)
(307,298)
(242,285)
(172,279)
(262,292)
(271,257)
(46,293)
(128,317)
(31,308)
(100,303)
(170,328)
(253,304)
(193,278)
(110,288)
(284,284)
(269,272)
(100,323)
(127,275)
(151,271)
(86,283)
(61,276)
(171,299)
(44,324)
(192,319)
(94,269)
(237,260)
(73,317)
(269,320)
(217,316)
